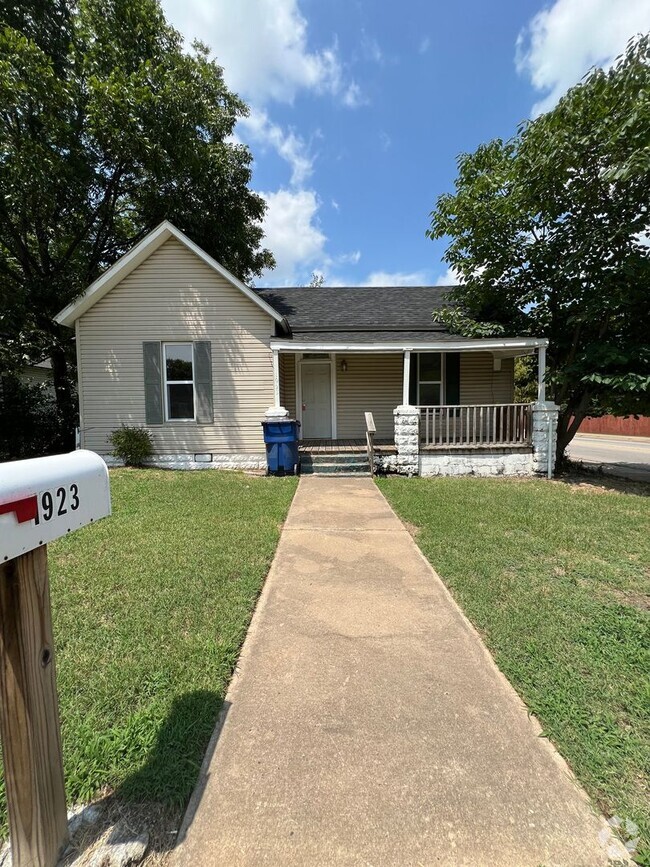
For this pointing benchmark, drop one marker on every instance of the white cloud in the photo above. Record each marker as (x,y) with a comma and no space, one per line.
(352,97)
(292,234)
(370,48)
(348,258)
(385,141)
(425,45)
(263,48)
(289,146)
(561,43)
(396,278)
(451,277)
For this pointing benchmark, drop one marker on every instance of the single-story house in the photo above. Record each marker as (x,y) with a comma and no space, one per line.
(167,338)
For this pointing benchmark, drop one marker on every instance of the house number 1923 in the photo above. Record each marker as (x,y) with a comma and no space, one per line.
(56,503)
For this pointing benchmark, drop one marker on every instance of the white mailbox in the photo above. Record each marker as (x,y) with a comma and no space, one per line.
(44,498)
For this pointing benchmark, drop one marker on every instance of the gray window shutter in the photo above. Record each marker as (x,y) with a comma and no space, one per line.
(153,396)
(413,378)
(452,378)
(203,381)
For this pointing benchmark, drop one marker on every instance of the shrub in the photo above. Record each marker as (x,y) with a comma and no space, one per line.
(132,444)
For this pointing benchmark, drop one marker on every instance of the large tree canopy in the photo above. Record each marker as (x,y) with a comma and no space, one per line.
(107,127)
(549,232)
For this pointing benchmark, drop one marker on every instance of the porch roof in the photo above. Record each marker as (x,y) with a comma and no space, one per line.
(404,341)
(375,319)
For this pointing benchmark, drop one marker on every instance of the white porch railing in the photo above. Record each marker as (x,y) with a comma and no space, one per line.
(476,426)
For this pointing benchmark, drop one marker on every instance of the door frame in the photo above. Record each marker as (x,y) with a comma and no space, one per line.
(300,361)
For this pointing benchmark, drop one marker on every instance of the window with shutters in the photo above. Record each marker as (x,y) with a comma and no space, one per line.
(178,372)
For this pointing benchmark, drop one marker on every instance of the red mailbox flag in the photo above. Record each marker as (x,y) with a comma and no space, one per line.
(26,509)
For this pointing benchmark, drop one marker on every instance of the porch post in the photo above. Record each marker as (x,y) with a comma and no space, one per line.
(276,378)
(407,377)
(541,373)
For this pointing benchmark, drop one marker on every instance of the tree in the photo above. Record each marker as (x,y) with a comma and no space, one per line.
(107,127)
(549,232)
(317,280)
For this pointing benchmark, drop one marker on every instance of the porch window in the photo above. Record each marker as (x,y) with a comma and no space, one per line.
(430,378)
(179,382)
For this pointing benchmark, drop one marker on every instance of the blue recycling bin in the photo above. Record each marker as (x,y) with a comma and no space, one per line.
(281,438)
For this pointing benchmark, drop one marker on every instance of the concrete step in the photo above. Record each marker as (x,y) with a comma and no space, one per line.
(308,468)
(334,458)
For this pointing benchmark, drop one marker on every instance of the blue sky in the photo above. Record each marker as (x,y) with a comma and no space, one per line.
(359,109)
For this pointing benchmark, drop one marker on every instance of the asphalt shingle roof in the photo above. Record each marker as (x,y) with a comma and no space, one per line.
(361,313)
(383,336)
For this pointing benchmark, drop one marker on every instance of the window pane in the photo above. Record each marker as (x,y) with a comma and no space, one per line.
(180,401)
(429,394)
(430,367)
(179,361)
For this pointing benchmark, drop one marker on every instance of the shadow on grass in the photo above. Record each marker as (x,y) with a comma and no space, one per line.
(172,767)
(154,797)
(577,473)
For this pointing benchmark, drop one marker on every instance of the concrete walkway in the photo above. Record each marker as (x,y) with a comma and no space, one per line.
(368,725)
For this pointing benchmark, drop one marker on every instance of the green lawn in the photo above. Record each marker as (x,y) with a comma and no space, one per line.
(557,580)
(150,609)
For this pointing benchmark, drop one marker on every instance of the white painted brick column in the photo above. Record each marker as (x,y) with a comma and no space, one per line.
(407,439)
(544,435)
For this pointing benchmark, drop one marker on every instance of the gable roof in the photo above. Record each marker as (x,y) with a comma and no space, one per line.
(138,254)
(367,313)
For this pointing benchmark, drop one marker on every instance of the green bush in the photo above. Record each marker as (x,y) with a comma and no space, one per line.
(133,445)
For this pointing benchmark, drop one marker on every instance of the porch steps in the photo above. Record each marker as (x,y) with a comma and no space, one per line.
(341,464)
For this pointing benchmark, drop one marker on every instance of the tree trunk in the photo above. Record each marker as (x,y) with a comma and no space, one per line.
(64,398)
(568,422)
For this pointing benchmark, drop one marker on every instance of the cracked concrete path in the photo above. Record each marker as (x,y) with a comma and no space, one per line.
(367,724)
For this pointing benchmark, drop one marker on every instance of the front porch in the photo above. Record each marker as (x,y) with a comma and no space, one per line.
(444,428)
(436,408)
(329,390)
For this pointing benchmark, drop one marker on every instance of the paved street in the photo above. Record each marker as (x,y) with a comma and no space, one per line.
(628,457)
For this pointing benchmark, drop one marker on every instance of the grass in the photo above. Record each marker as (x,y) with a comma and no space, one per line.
(556,577)
(150,609)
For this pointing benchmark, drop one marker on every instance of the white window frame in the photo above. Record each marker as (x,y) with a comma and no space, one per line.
(178,381)
(440,382)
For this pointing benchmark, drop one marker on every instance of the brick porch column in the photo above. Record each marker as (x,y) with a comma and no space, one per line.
(407,439)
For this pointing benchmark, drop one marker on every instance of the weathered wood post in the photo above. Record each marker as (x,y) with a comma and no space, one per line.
(40,500)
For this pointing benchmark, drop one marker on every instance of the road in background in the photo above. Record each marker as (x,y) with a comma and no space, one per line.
(627,457)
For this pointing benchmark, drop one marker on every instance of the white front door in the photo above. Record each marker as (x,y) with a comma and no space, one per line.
(316,400)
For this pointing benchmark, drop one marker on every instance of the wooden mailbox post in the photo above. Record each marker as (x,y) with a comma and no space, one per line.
(40,500)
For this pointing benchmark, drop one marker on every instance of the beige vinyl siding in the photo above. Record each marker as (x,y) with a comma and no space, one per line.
(481,384)
(288,383)
(174,296)
(372,383)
